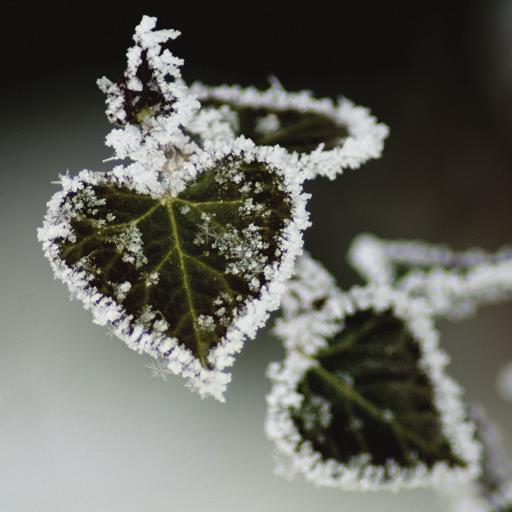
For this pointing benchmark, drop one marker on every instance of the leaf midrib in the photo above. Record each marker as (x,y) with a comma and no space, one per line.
(352,395)
(186,284)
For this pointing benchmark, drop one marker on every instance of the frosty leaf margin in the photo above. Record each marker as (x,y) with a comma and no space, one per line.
(492,490)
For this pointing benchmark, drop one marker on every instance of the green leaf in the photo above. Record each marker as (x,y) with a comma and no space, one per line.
(187,270)
(362,399)
(294,130)
(381,400)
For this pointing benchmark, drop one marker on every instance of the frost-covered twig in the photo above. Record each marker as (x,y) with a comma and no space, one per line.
(455,283)
(154,106)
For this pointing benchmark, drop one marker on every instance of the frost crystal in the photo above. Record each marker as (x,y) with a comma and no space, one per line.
(159,369)
(346,135)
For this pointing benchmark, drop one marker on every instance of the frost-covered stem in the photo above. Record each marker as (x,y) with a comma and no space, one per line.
(452,293)
(455,283)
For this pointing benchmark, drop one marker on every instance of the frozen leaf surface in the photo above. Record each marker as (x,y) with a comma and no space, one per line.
(182,276)
(381,400)
(362,400)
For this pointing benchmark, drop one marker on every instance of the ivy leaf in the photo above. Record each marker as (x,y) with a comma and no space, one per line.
(328,136)
(184,274)
(365,403)
(158,118)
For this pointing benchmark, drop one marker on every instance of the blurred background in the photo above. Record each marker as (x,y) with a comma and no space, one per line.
(83,426)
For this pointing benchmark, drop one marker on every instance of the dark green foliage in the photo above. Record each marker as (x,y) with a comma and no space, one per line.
(189,253)
(298,131)
(381,401)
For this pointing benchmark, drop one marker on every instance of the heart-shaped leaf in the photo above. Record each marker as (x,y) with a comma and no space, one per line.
(328,136)
(292,129)
(388,261)
(183,275)
(365,402)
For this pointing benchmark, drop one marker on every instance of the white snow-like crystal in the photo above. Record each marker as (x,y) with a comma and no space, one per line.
(365,139)
(304,332)
(310,285)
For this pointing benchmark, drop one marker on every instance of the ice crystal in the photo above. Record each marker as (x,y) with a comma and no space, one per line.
(159,369)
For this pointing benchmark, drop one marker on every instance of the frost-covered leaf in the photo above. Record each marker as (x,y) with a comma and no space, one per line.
(153,107)
(328,136)
(181,273)
(311,299)
(492,490)
(455,283)
(365,402)
(151,84)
